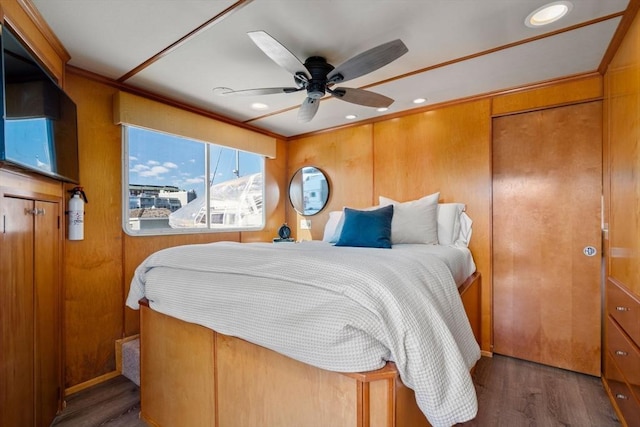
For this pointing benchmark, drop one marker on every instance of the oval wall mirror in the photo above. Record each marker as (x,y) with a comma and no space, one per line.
(309,190)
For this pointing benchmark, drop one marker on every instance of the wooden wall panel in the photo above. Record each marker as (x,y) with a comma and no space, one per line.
(446,150)
(623,155)
(346,157)
(30,185)
(98,270)
(93,266)
(552,94)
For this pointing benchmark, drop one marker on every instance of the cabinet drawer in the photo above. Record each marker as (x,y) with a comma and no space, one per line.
(622,397)
(625,309)
(625,354)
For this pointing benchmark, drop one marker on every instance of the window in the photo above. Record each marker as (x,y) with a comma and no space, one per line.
(178,185)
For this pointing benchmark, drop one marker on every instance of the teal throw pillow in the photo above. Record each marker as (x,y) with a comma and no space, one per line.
(367,229)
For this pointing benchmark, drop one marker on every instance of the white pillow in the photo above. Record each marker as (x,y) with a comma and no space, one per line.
(414,221)
(465,230)
(449,222)
(331,226)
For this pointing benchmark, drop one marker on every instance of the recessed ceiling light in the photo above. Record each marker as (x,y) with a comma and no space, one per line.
(419,100)
(259,106)
(382,109)
(548,13)
(350,116)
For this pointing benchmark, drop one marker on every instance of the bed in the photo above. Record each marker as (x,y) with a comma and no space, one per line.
(322,333)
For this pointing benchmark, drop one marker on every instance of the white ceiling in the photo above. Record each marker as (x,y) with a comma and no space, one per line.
(457,48)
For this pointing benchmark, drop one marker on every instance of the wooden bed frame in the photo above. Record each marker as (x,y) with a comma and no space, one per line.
(193,376)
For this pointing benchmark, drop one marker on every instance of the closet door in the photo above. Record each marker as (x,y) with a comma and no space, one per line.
(48,330)
(16,312)
(30,356)
(547,186)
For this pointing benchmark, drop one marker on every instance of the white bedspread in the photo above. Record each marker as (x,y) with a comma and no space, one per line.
(457,258)
(338,308)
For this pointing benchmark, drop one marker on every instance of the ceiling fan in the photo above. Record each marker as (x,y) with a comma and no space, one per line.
(318,77)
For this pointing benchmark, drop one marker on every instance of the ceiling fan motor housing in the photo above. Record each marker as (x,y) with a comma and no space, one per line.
(318,67)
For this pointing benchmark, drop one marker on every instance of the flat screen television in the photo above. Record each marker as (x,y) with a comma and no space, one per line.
(39,131)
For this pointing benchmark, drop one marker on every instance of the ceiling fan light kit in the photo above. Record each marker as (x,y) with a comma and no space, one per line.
(318,77)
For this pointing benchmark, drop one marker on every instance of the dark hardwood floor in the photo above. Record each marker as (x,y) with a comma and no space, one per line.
(514,393)
(113,403)
(511,393)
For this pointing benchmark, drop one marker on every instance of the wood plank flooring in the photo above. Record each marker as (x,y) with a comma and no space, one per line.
(511,393)
(113,403)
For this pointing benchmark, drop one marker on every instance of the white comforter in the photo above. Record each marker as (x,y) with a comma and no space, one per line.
(338,308)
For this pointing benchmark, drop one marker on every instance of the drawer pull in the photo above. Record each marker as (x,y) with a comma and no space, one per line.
(621,308)
(34,212)
(621,353)
(621,396)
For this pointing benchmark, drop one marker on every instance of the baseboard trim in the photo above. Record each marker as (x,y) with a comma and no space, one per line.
(97,380)
(486,353)
(102,378)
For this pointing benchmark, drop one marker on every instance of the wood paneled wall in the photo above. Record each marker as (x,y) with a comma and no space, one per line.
(571,91)
(346,157)
(93,274)
(622,153)
(98,269)
(446,150)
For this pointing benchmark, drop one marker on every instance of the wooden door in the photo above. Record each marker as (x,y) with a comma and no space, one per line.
(48,331)
(16,312)
(547,186)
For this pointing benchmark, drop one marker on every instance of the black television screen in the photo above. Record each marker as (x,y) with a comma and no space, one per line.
(39,131)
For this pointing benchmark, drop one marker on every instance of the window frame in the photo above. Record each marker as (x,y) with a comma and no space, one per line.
(125,191)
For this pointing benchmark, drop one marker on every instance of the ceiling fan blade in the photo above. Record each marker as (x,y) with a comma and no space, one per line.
(277,52)
(368,61)
(361,97)
(260,91)
(308,109)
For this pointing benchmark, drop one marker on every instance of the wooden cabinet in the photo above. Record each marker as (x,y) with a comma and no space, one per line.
(622,352)
(30,305)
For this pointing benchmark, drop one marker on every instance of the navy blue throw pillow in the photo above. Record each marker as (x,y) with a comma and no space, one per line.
(367,229)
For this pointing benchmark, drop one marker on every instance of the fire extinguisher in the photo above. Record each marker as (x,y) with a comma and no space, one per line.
(76,213)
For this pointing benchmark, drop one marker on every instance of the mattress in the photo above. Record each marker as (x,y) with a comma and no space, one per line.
(457,258)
